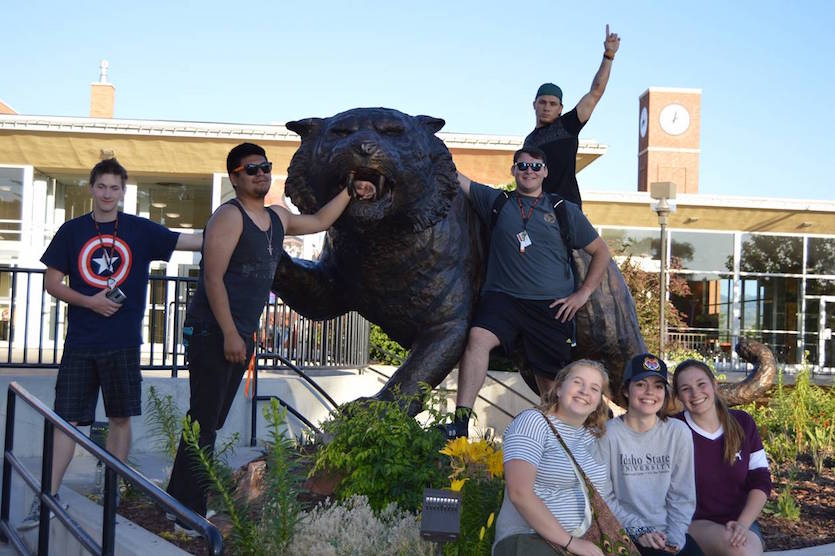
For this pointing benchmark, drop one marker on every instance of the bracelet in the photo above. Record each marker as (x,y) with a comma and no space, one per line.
(608,56)
(570,538)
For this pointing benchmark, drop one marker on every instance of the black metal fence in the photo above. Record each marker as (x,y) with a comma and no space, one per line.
(33,327)
(113,469)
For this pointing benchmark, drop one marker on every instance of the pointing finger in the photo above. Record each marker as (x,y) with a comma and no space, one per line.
(607,30)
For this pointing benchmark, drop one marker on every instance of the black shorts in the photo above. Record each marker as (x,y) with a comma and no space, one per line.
(546,341)
(84,370)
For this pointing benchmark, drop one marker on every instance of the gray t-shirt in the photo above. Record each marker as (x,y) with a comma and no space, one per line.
(529,438)
(543,271)
(653,485)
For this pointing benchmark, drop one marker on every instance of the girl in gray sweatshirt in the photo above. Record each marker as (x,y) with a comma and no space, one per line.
(651,487)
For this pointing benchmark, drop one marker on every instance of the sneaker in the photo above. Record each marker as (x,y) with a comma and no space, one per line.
(171,517)
(183,529)
(33,518)
(450,431)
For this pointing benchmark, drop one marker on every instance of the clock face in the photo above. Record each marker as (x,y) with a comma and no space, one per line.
(674,119)
(644,122)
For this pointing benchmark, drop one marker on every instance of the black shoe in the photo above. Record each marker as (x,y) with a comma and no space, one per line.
(451,431)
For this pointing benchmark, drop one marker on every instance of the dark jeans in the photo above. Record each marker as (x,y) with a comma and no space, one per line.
(691,548)
(213,382)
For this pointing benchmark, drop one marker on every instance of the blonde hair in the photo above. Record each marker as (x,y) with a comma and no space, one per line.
(596,422)
(734,435)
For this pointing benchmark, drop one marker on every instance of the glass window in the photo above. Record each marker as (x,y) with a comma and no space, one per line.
(772,254)
(770,303)
(11,194)
(821,255)
(782,344)
(175,205)
(709,303)
(636,243)
(702,251)
(820,286)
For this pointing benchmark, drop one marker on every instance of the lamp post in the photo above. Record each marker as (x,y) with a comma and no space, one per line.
(662,192)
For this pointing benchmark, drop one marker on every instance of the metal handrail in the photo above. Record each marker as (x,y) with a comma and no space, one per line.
(292,366)
(114,468)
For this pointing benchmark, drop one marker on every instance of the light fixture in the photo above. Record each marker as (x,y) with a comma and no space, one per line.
(159,205)
(185,224)
(172,214)
(441,516)
(691,219)
(803,225)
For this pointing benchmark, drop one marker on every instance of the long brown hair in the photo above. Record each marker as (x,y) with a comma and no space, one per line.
(596,422)
(734,435)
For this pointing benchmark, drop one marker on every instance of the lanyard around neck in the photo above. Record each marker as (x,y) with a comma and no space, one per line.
(526,217)
(108,256)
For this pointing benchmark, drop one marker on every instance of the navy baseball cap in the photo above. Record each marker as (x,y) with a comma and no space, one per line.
(644,365)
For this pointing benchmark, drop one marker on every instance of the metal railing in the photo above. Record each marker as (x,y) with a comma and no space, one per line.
(33,327)
(113,469)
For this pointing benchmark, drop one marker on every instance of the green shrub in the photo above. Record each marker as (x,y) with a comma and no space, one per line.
(165,421)
(385,350)
(273,531)
(382,453)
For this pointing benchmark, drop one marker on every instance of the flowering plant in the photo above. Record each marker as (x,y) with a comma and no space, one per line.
(473,460)
(477,471)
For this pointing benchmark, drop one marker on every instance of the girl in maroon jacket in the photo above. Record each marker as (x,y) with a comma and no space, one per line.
(732,477)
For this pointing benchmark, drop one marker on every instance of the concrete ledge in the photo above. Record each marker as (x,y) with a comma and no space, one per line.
(131,539)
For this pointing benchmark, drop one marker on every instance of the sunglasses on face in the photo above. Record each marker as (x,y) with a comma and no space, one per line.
(251,169)
(535,166)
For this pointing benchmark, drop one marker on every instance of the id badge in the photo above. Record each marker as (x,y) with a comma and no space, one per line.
(524,240)
(111,283)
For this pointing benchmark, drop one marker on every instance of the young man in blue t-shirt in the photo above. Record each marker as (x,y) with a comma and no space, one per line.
(529,293)
(106,255)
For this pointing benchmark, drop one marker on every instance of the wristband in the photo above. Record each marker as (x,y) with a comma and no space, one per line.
(608,56)
(570,538)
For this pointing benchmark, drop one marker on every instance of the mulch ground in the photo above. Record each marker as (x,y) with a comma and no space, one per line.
(815,494)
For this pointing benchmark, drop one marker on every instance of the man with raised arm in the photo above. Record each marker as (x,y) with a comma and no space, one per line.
(106,254)
(243,244)
(529,296)
(557,133)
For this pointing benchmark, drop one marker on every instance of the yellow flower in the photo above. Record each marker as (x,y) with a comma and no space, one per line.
(481,534)
(495,465)
(455,448)
(457,484)
(490,519)
(479,451)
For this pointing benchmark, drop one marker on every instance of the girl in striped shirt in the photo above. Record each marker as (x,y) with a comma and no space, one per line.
(544,498)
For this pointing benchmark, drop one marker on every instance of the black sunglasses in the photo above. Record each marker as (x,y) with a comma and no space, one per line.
(251,169)
(535,166)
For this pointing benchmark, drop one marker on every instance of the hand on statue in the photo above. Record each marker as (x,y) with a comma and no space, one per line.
(612,42)
(364,189)
(570,305)
(584,548)
(234,348)
(100,304)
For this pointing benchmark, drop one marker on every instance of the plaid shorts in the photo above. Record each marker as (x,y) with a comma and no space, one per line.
(84,370)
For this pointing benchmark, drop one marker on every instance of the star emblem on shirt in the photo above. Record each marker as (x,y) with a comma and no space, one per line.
(105,263)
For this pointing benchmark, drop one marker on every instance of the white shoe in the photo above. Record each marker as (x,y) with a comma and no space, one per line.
(33,518)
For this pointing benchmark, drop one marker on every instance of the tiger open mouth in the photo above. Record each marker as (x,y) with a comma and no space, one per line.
(375,180)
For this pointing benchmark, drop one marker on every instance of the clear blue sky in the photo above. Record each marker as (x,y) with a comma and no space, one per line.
(765,69)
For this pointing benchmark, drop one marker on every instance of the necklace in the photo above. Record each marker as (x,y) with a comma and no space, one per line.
(268,233)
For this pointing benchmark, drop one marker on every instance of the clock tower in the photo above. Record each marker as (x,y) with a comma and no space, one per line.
(668,137)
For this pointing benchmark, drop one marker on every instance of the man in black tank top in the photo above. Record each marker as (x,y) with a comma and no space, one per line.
(557,134)
(241,248)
